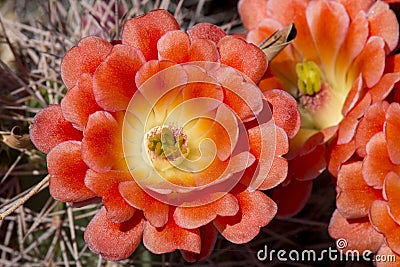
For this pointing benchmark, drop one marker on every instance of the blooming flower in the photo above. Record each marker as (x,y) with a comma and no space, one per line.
(368,185)
(169,129)
(338,55)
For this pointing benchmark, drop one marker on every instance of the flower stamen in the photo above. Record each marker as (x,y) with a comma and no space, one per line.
(167,142)
(309,77)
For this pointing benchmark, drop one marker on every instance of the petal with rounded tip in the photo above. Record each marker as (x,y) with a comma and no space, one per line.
(370,62)
(101,144)
(354,196)
(256,211)
(243,56)
(171,237)
(154,211)
(143,32)
(83,58)
(194,217)
(391,191)
(203,50)
(114,80)
(114,241)
(353,44)
(338,155)
(67,171)
(294,11)
(392,132)
(105,185)
(50,128)
(377,163)
(174,46)
(384,87)
(370,124)
(323,17)
(79,102)
(383,22)
(381,220)
(359,234)
(206,31)
(252,12)
(285,112)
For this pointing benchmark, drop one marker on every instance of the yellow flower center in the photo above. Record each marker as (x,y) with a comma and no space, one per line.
(309,77)
(167,146)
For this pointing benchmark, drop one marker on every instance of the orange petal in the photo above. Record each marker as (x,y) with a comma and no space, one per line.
(385,85)
(105,185)
(392,132)
(353,96)
(383,22)
(242,96)
(381,219)
(369,125)
(392,189)
(244,57)
(113,82)
(359,234)
(285,111)
(144,31)
(114,241)
(377,163)
(84,58)
(208,236)
(265,28)
(171,237)
(294,11)
(348,125)
(323,17)
(276,175)
(353,44)
(206,31)
(155,211)
(50,128)
(252,12)
(256,210)
(299,192)
(354,7)
(149,69)
(338,155)
(68,170)
(201,84)
(354,195)
(370,62)
(267,142)
(101,144)
(174,46)
(79,102)
(203,50)
(194,217)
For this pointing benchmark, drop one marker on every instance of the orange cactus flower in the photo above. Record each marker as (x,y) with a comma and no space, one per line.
(169,129)
(337,56)
(368,184)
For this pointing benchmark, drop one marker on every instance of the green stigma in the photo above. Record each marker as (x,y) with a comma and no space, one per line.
(167,144)
(309,77)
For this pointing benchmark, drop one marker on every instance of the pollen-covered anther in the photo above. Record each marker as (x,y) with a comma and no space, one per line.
(166,143)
